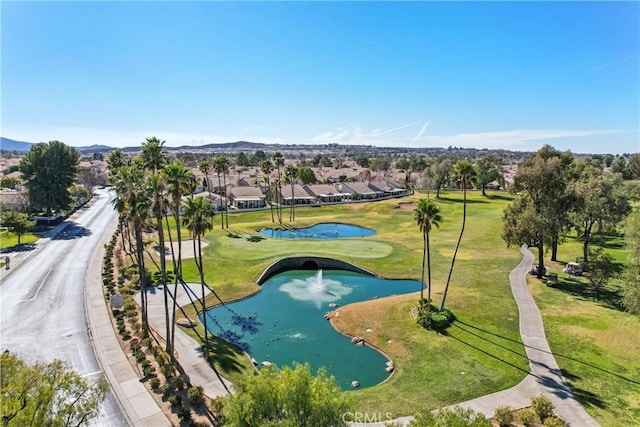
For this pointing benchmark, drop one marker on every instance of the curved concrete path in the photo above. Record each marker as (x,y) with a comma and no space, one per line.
(545,376)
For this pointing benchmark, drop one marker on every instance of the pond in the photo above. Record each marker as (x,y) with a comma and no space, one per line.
(326,230)
(284,323)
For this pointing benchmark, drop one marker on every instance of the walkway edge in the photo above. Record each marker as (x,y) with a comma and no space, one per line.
(138,407)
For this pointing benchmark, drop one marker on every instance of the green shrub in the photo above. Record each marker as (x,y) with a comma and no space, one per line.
(148,371)
(542,406)
(554,421)
(196,395)
(165,389)
(179,382)
(184,414)
(528,417)
(503,415)
(175,400)
(456,417)
(154,383)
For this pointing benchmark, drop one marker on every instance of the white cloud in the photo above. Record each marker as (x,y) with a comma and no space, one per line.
(423,129)
(513,139)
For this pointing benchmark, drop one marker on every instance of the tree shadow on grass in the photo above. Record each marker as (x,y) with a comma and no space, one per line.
(23,247)
(472,201)
(613,374)
(499,197)
(585,397)
(573,286)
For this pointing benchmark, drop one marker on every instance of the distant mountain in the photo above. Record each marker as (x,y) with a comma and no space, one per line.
(11,145)
(94,148)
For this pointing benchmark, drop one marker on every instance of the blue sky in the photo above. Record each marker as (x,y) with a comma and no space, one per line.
(512,75)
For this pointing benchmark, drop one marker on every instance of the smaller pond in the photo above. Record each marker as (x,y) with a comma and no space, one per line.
(327,230)
(285,322)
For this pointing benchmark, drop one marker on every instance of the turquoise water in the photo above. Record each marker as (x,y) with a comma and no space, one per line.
(328,230)
(284,322)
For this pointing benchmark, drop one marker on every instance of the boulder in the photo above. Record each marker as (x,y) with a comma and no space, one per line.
(186,323)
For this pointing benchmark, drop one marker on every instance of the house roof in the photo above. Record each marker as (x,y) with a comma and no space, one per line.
(358,187)
(246,193)
(298,191)
(322,189)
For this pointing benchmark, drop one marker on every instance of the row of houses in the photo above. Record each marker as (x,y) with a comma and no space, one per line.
(251,197)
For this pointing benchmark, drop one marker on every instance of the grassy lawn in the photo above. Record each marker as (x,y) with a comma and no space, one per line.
(9,239)
(595,343)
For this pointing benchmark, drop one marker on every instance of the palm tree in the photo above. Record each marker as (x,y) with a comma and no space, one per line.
(153,155)
(218,166)
(136,210)
(267,168)
(465,174)
(278,160)
(180,181)
(198,218)
(291,172)
(205,167)
(427,215)
(157,193)
(225,169)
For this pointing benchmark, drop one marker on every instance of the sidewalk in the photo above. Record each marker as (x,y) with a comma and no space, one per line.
(189,353)
(137,405)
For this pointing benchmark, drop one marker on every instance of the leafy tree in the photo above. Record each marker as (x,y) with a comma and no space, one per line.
(543,180)
(456,417)
(242,159)
(290,396)
(427,215)
(600,203)
(634,166)
(619,165)
(441,173)
(607,159)
(362,161)
(601,268)
(50,394)
(9,182)
(306,175)
(49,170)
(17,222)
(259,156)
(465,175)
(380,164)
(486,172)
(403,163)
(631,275)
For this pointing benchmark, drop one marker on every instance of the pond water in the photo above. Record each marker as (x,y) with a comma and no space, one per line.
(284,323)
(326,230)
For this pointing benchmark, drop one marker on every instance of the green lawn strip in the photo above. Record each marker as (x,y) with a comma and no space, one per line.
(595,343)
(9,240)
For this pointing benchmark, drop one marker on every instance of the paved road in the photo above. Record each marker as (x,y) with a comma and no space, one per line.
(42,307)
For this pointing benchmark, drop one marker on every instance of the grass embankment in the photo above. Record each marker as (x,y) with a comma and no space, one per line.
(9,240)
(596,344)
(482,352)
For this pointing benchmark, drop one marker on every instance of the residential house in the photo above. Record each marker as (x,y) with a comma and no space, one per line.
(359,190)
(326,193)
(247,198)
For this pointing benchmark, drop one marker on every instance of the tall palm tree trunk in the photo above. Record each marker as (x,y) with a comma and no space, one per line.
(226,204)
(163,280)
(142,276)
(428,270)
(198,259)
(424,252)
(453,260)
